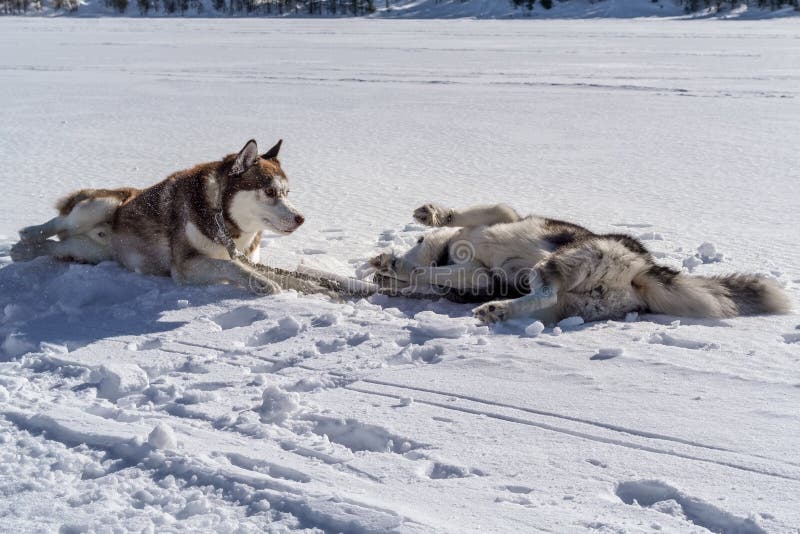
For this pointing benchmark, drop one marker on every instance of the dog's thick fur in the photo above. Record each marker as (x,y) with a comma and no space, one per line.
(562,270)
(170,228)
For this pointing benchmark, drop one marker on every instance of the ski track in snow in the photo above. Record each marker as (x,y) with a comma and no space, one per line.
(130,402)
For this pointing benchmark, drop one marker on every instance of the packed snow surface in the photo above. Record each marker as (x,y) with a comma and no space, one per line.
(128,402)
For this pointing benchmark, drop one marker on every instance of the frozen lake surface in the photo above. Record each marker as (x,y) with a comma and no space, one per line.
(294,412)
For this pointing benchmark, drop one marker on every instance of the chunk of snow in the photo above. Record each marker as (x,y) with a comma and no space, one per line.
(277,405)
(534,329)
(691,262)
(163,437)
(708,253)
(118,380)
(570,322)
(198,506)
(196,396)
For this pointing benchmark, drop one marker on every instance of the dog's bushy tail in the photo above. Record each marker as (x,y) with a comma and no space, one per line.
(713,296)
(67,203)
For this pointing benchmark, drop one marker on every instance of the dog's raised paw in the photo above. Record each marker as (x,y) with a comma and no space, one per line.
(32,234)
(383,262)
(492,312)
(433,215)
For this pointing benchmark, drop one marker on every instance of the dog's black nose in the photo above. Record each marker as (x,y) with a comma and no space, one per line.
(299,219)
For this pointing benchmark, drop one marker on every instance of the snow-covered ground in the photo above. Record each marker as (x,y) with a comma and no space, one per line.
(131,403)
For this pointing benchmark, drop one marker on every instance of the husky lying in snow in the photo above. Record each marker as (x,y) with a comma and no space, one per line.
(561,269)
(174,227)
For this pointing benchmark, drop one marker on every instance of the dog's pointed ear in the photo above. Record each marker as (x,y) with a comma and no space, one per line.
(272,153)
(246,158)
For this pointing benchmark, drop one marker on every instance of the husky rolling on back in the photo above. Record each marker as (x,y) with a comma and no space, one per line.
(174,227)
(561,269)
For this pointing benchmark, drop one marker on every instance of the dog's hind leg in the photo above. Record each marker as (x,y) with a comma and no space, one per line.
(84,216)
(435,215)
(40,232)
(81,249)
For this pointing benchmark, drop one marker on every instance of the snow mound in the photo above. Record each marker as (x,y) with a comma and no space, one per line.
(277,405)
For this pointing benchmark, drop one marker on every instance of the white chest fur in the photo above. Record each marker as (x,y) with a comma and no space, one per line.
(213,249)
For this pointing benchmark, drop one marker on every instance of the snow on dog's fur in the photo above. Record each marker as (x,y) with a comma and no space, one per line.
(561,269)
(170,228)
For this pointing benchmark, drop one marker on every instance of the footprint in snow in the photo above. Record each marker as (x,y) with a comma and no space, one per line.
(607,353)
(241,316)
(668,340)
(664,498)
(334,345)
(792,337)
(358,436)
(517,489)
(286,328)
(439,470)
(633,225)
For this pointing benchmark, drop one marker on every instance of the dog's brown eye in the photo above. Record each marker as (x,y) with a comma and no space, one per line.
(271,192)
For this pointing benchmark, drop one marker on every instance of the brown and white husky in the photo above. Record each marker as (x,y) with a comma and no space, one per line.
(551,269)
(174,227)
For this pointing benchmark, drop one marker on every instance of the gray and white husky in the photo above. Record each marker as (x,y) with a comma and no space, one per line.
(174,227)
(551,269)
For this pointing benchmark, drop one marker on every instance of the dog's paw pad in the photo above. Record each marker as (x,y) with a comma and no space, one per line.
(491,312)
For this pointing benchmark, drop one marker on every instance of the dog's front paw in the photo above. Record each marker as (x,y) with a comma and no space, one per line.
(27,250)
(308,287)
(264,286)
(492,312)
(433,215)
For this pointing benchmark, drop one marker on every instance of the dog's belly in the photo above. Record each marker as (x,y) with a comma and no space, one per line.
(150,256)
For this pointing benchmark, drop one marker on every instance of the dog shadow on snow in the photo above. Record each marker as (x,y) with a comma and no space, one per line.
(73,305)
